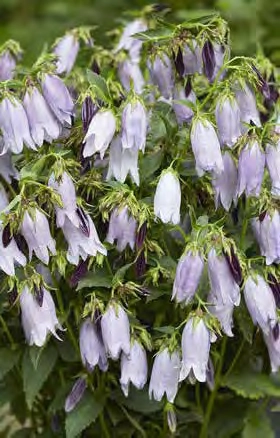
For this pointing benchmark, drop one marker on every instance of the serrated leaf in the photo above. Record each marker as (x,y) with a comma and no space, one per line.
(99,85)
(95,279)
(8,359)
(161,34)
(83,415)
(33,379)
(59,398)
(257,425)
(252,385)
(137,400)
(150,163)
(119,275)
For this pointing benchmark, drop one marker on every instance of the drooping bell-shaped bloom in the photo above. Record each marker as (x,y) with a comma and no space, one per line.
(134,368)
(267,234)
(183,112)
(273,347)
(66,189)
(134,126)
(122,162)
(192,58)
(14,126)
(91,347)
(250,169)
(7,65)
(228,121)
(223,285)
(167,200)
(223,311)
(206,147)
(188,273)
(7,168)
(195,349)
(100,133)
(128,42)
(272,155)
(58,98)
(260,303)
(165,375)
(89,109)
(115,331)
(225,183)
(130,74)
(248,107)
(36,231)
(38,321)
(82,241)
(42,122)
(219,52)
(66,51)
(122,227)
(162,74)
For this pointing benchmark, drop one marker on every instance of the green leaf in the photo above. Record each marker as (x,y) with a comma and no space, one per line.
(8,359)
(33,379)
(252,385)
(160,34)
(150,163)
(96,279)
(137,400)
(257,425)
(59,398)
(83,415)
(119,275)
(99,85)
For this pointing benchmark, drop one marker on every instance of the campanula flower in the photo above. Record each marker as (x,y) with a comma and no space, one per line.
(228,121)
(167,200)
(134,126)
(250,169)
(115,331)
(91,346)
(165,375)
(134,368)
(58,98)
(122,162)
(100,133)
(188,273)
(122,227)
(66,51)
(225,183)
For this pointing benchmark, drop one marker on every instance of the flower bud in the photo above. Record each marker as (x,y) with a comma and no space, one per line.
(58,98)
(167,200)
(75,395)
(100,133)
(272,155)
(260,303)
(195,349)
(188,273)
(89,109)
(172,420)
(209,60)
(91,347)
(206,147)
(122,228)
(165,375)
(66,51)
(115,331)
(250,169)
(134,368)
(228,121)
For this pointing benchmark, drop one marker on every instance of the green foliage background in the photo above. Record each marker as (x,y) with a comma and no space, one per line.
(36,22)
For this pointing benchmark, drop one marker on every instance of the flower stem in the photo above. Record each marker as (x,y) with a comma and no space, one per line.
(211,400)
(7,331)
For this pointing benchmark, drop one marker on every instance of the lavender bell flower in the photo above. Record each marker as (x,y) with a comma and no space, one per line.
(272,155)
(206,147)
(268,237)
(7,65)
(42,122)
(7,168)
(192,58)
(100,133)
(219,52)
(195,349)
(250,169)
(59,99)
(115,331)
(273,347)
(128,42)
(223,285)
(165,375)
(228,121)
(82,241)
(35,229)
(183,112)
(225,183)
(122,162)
(91,347)
(66,189)
(14,126)
(248,107)
(134,368)
(130,73)
(260,303)
(223,311)
(188,273)
(167,200)
(75,395)
(38,321)
(162,74)
(134,126)
(66,51)
(122,228)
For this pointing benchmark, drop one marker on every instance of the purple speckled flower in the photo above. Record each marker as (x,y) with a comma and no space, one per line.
(192,58)
(267,234)
(128,42)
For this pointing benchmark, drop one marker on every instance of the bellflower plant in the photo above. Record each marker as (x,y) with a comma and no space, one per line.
(188,273)
(225,183)
(66,51)
(123,162)
(134,126)
(122,227)
(228,121)
(58,98)
(91,347)
(272,156)
(115,331)
(134,368)
(167,199)
(7,65)
(100,133)
(250,169)
(165,375)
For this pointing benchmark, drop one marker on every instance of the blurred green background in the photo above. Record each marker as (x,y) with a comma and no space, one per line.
(35,22)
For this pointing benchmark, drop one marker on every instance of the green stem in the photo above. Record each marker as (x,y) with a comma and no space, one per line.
(105,431)
(235,359)
(7,331)
(211,400)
